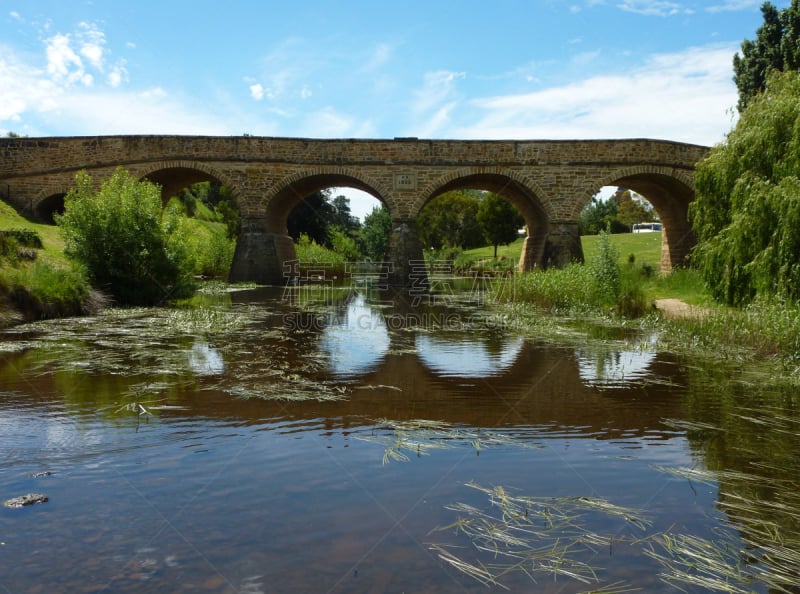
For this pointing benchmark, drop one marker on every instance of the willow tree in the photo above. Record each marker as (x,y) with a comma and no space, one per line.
(747,208)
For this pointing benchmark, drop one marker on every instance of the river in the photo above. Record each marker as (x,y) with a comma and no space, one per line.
(332,441)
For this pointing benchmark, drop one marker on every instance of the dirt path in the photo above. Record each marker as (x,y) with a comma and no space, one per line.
(675,308)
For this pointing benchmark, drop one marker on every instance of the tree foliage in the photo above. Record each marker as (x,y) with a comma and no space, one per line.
(631,209)
(311,217)
(451,220)
(129,247)
(747,208)
(499,219)
(375,233)
(776,47)
(319,214)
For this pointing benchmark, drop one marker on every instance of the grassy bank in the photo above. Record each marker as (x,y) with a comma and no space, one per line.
(36,279)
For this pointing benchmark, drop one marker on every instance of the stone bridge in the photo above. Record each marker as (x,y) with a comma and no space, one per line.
(548,181)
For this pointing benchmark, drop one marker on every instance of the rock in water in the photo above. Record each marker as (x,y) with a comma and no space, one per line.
(28,499)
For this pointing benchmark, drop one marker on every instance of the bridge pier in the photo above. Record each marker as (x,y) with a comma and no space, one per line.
(406,257)
(260,254)
(563,244)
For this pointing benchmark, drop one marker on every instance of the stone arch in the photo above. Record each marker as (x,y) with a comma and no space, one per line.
(670,191)
(517,189)
(173,176)
(292,189)
(445,182)
(48,202)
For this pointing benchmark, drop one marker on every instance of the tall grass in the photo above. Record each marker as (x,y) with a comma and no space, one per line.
(40,291)
(314,257)
(765,329)
(600,286)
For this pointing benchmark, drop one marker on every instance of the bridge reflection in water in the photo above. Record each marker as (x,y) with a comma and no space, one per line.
(215,484)
(480,376)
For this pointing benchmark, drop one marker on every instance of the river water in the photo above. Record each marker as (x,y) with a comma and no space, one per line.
(332,441)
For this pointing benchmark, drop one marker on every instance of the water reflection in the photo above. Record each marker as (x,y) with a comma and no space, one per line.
(206,360)
(608,367)
(356,340)
(468,356)
(244,476)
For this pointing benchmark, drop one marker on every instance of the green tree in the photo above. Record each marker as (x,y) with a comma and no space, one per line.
(312,216)
(747,208)
(128,246)
(599,215)
(344,244)
(499,219)
(342,217)
(776,47)
(451,220)
(375,233)
(632,209)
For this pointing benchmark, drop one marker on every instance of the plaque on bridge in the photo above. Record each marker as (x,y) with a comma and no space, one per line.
(405,181)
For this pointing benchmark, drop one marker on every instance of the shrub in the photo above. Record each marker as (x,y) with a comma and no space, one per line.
(128,246)
(313,258)
(24,237)
(606,272)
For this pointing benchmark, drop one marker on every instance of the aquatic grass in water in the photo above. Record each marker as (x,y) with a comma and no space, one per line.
(534,536)
(758,543)
(418,437)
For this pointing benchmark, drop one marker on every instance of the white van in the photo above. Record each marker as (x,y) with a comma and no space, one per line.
(647,228)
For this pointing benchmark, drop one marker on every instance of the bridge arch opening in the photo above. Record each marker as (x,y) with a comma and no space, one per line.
(536,221)
(293,193)
(318,208)
(211,211)
(48,207)
(669,197)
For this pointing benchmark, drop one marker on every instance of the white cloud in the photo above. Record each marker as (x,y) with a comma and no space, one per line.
(684,96)
(16,16)
(80,56)
(652,7)
(91,41)
(379,57)
(434,102)
(330,123)
(584,58)
(63,64)
(118,74)
(257,91)
(152,111)
(734,5)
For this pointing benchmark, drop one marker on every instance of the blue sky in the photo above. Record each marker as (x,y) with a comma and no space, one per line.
(534,69)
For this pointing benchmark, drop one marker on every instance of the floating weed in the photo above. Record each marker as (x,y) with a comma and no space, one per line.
(535,536)
(693,561)
(419,436)
(296,391)
(615,588)
(134,407)
(204,320)
(758,543)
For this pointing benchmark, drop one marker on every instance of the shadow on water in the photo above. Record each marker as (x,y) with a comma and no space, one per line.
(252,442)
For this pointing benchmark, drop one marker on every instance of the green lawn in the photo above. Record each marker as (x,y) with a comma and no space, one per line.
(53,251)
(646,247)
(686,285)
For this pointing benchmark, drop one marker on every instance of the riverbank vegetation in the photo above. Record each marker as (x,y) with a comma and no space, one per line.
(127,246)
